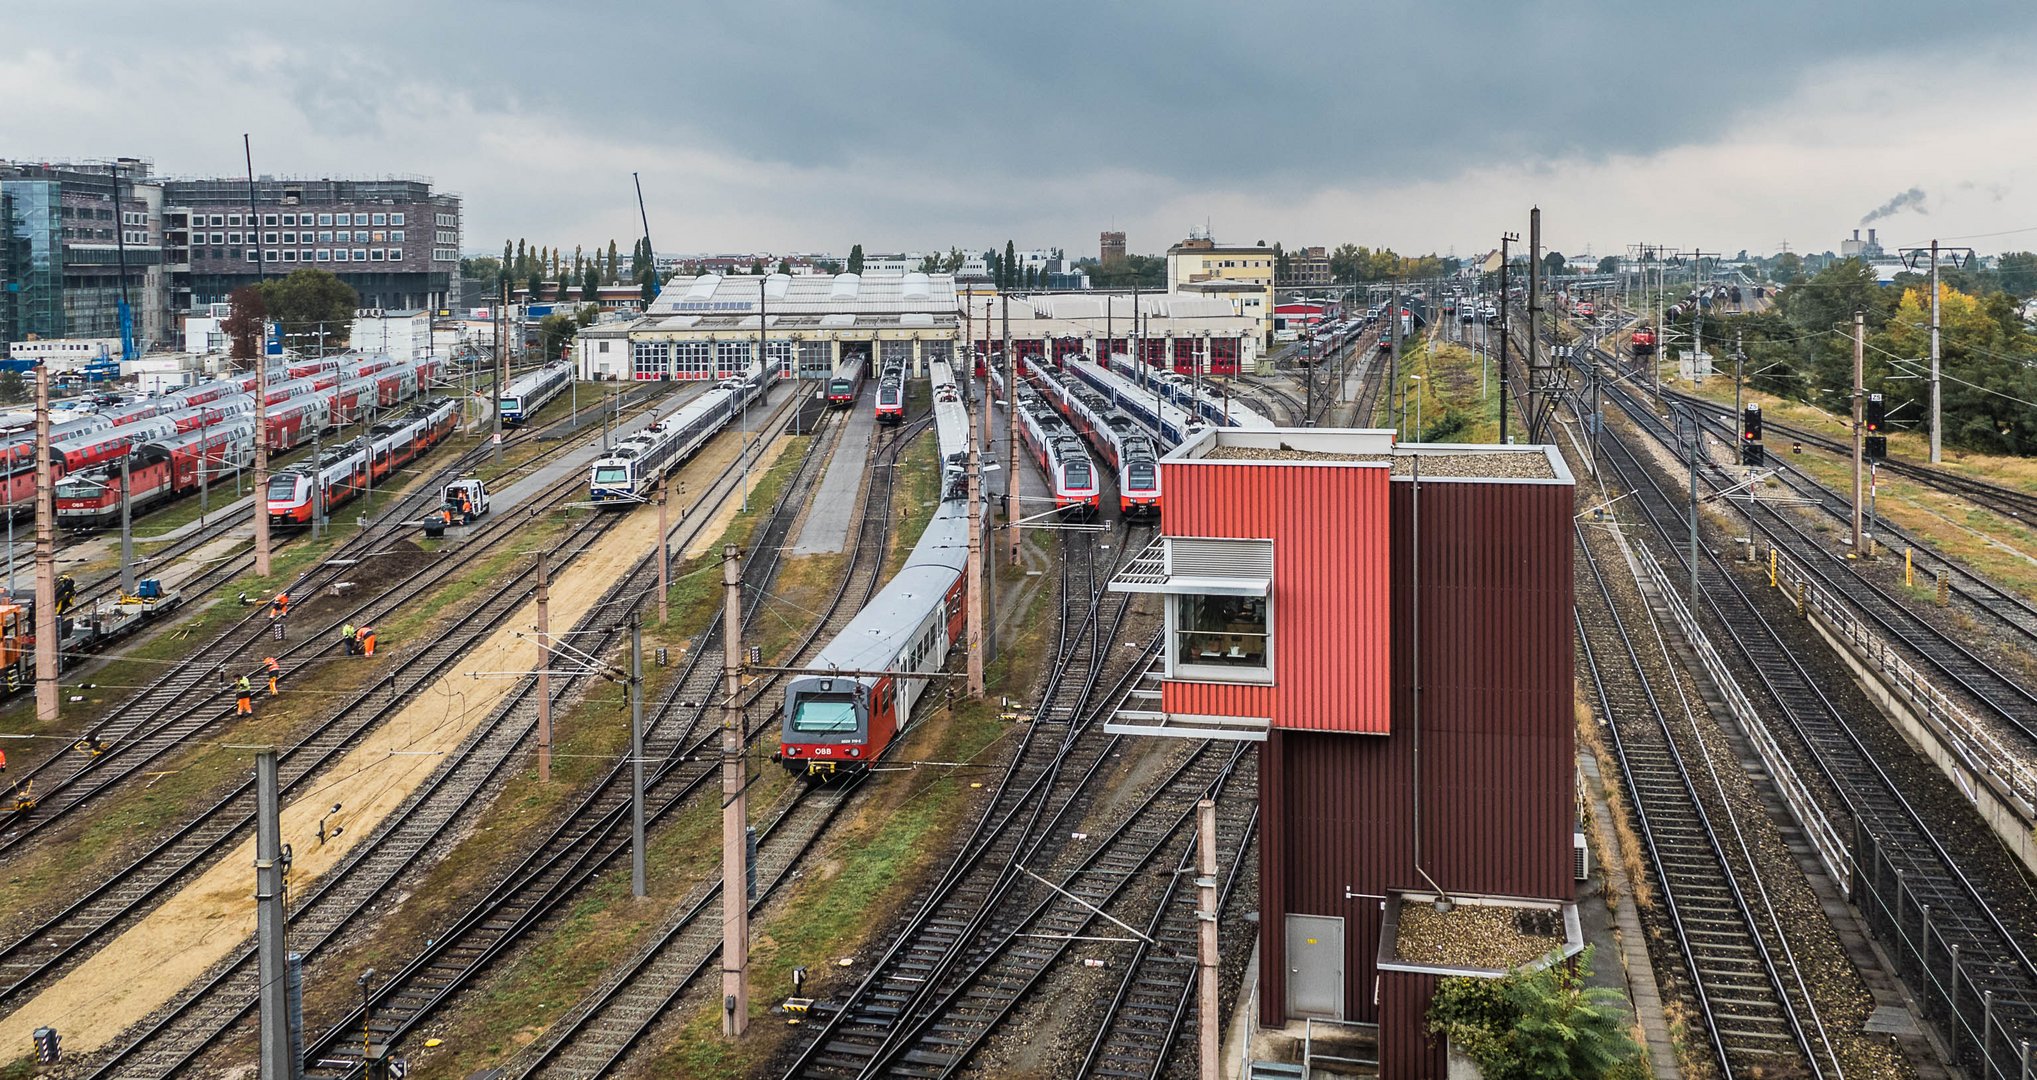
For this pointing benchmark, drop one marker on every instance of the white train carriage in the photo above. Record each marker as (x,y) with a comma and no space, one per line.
(629,472)
(531,391)
(1059,452)
(836,725)
(1146,403)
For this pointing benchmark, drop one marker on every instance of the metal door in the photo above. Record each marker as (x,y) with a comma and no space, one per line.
(1315,966)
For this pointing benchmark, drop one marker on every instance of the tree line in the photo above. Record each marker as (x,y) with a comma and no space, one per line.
(1802,348)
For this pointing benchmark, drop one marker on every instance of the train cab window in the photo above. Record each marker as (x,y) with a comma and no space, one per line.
(1140,475)
(1229,633)
(1078,474)
(825,714)
(283,487)
(611,474)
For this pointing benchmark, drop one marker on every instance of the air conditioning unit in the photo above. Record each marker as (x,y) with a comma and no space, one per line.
(1581,852)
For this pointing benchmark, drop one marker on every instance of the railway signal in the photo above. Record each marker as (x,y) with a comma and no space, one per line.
(1751,451)
(1875,445)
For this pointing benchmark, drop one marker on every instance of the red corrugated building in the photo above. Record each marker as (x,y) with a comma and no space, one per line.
(1394,622)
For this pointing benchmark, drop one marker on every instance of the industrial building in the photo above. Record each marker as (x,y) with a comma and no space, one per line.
(1185,333)
(1394,624)
(812,324)
(1240,276)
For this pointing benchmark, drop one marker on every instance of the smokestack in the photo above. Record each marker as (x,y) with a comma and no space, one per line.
(1870,236)
(1856,234)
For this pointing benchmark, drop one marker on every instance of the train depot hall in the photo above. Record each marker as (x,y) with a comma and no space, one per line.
(1393,623)
(813,324)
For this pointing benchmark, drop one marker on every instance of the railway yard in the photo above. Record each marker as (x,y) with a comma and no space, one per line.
(501,823)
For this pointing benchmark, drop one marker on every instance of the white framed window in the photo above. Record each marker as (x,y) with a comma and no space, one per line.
(324,219)
(324,254)
(251,255)
(360,255)
(289,237)
(231,219)
(218,238)
(233,238)
(395,254)
(380,219)
(269,220)
(325,236)
(289,254)
(378,236)
(269,255)
(217,221)
(396,219)
(396,236)
(375,254)
(268,238)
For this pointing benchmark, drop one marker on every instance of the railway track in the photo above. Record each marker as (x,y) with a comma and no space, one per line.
(191,697)
(1903,820)
(1758,1015)
(2005,698)
(173,1039)
(1015,828)
(1985,599)
(1155,999)
(680,752)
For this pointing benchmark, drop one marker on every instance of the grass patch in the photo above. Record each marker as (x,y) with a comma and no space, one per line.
(915,493)
(1441,393)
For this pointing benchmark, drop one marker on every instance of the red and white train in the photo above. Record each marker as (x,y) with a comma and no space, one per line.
(1126,448)
(342,472)
(157,472)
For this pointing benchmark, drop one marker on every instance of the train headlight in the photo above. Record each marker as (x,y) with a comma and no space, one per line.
(855,752)
(792,751)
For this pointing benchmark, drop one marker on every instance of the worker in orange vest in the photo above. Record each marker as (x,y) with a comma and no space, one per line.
(275,671)
(280,606)
(3,761)
(364,641)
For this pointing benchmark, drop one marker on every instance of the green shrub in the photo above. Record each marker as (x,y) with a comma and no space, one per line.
(1539,1025)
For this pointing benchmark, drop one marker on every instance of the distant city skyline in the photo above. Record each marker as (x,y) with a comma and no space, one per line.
(814,127)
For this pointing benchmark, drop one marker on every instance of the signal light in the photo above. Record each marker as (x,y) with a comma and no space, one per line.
(1750,423)
(1874,447)
(1877,412)
(1752,454)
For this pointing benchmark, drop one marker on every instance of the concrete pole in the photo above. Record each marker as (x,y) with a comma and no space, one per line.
(735,909)
(976,657)
(261,475)
(1935,448)
(1859,427)
(544,671)
(1208,1004)
(1538,379)
(277,1063)
(499,377)
(1011,470)
(46,697)
(664,553)
(636,751)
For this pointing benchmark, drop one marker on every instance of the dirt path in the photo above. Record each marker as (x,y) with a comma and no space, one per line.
(145,967)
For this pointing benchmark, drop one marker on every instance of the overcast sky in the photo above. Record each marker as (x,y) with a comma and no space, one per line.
(810,126)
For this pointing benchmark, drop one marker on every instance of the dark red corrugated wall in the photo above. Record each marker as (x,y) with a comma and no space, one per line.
(1330,598)
(1497,753)
(1406,1050)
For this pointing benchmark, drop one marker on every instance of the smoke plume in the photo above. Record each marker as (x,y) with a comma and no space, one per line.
(1912,199)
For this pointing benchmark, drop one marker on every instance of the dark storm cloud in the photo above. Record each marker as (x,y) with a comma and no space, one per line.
(1284,94)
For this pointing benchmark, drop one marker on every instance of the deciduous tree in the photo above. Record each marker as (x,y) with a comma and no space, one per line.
(311,304)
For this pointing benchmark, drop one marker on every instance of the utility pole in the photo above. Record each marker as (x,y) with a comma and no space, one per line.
(1697,439)
(1393,359)
(498,377)
(1935,447)
(735,908)
(1011,472)
(636,751)
(1859,425)
(46,697)
(976,584)
(1739,378)
(1505,320)
(261,477)
(1538,374)
(544,672)
(664,554)
(277,1063)
(1208,1004)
